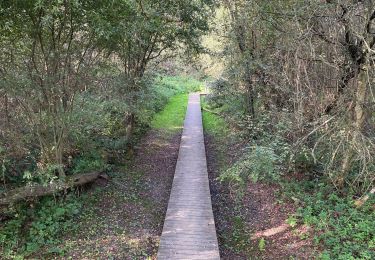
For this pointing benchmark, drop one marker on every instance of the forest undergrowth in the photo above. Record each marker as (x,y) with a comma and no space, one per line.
(265,210)
(127,206)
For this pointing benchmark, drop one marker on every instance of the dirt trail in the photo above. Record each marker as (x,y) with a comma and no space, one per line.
(124,219)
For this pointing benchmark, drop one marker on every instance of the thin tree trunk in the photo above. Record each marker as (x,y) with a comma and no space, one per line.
(358,124)
(250,99)
(129,125)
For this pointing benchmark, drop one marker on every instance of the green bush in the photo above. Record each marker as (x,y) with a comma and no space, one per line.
(34,228)
(303,159)
(341,229)
(50,220)
(88,164)
(260,163)
(10,234)
(98,120)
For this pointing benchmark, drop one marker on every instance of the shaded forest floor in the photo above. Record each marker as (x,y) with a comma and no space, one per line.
(255,225)
(123,219)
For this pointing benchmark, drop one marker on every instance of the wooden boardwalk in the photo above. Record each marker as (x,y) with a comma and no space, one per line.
(189,227)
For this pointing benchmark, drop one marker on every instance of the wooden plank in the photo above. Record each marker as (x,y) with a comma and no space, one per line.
(189,227)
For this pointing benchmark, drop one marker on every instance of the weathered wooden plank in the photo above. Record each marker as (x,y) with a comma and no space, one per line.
(189,227)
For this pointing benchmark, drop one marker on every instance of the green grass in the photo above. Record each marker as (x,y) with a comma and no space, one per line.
(214,124)
(171,118)
(182,83)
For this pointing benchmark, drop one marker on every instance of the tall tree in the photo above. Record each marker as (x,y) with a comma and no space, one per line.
(47,51)
(143,30)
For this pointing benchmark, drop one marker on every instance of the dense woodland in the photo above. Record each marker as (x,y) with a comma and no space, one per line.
(290,82)
(298,81)
(64,62)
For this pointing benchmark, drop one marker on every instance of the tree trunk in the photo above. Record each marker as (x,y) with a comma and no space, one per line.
(358,124)
(52,154)
(59,152)
(129,125)
(59,161)
(250,98)
(361,93)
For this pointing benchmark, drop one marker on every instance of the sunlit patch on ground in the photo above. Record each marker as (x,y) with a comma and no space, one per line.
(107,246)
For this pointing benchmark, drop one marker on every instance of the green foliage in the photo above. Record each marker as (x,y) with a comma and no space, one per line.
(214,124)
(96,133)
(303,159)
(339,228)
(44,175)
(78,92)
(225,100)
(344,231)
(238,238)
(292,221)
(263,160)
(98,124)
(96,52)
(299,124)
(173,89)
(50,220)
(87,164)
(10,234)
(37,227)
(166,90)
(260,163)
(262,244)
(182,84)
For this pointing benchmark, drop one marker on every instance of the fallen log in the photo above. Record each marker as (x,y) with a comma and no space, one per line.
(39,190)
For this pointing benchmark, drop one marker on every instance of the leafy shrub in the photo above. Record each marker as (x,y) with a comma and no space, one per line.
(261,163)
(303,159)
(10,234)
(88,164)
(98,121)
(215,125)
(51,219)
(34,228)
(43,176)
(343,230)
